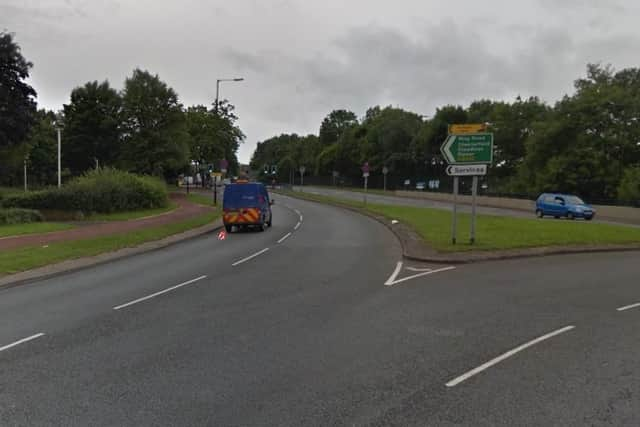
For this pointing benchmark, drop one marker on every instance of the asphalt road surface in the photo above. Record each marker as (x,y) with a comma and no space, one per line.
(327,327)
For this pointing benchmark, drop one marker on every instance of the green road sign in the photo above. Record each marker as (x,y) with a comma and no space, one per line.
(471,148)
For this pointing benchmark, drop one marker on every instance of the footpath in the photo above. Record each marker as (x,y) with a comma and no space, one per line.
(185,210)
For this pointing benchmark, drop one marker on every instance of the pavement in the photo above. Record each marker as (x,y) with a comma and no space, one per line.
(319,321)
(184,211)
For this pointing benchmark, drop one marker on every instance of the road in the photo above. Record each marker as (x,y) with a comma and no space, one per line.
(327,327)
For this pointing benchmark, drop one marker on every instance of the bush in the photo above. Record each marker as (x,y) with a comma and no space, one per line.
(101,190)
(19,216)
(629,189)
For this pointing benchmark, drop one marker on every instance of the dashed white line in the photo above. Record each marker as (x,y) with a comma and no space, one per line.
(22,341)
(249,257)
(629,307)
(285,237)
(301,218)
(297,211)
(454,382)
(172,288)
(297,226)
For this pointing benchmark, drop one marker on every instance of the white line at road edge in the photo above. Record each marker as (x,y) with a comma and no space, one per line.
(22,341)
(160,293)
(285,237)
(249,257)
(297,226)
(454,382)
(629,307)
(392,279)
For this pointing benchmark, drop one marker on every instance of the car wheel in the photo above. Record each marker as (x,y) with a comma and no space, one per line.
(539,213)
(589,218)
(556,217)
(570,216)
(228,228)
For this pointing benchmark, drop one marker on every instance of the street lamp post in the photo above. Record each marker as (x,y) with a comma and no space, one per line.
(59,129)
(237,79)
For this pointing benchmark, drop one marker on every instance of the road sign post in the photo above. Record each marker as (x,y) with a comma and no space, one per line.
(302,171)
(385,171)
(454,221)
(468,150)
(474,192)
(365,175)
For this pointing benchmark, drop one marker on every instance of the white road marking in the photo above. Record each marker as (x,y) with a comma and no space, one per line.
(424,272)
(301,218)
(297,211)
(285,237)
(418,270)
(297,226)
(393,276)
(249,257)
(454,382)
(629,307)
(22,341)
(173,288)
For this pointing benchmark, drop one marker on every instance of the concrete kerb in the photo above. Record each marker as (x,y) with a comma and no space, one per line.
(414,248)
(72,265)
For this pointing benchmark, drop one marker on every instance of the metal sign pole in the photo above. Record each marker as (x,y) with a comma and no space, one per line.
(215,191)
(474,192)
(366,178)
(455,210)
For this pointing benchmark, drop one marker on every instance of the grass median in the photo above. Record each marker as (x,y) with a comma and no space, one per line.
(492,232)
(22,259)
(32,228)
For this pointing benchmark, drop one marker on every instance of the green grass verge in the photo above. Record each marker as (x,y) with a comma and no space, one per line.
(494,232)
(202,199)
(22,259)
(32,228)
(124,216)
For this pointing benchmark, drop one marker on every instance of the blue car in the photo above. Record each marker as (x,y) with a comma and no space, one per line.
(563,205)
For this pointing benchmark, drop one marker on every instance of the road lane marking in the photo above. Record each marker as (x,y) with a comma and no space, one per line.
(297,211)
(392,280)
(172,288)
(249,257)
(285,237)
(629,307)
(301,218)
(22,341)
(393,276)
(418,270)
(454,382)
(297,226)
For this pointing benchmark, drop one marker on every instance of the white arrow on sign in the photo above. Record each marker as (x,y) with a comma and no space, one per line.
(466,170)
(446,149)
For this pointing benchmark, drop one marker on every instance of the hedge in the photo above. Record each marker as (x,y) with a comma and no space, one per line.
(101,190)
(19,216)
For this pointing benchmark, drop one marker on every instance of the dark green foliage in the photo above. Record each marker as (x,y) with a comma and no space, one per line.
(19,216)
(101,190)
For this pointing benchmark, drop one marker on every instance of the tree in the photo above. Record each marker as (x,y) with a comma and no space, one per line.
(213,135)
(335,124)
(155,135)
(42,159)
(17,109)
(92,127)
(629,189)
(17,98)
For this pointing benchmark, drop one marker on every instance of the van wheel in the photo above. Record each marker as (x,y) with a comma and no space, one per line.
(261,227)
(228,228)
(539,213)
(270,222)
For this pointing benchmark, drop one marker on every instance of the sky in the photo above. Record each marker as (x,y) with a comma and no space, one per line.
(301,59)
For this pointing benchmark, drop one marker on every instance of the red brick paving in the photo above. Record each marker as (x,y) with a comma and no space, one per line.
(184,211)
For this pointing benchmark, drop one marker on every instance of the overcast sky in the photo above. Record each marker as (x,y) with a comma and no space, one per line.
(303,58)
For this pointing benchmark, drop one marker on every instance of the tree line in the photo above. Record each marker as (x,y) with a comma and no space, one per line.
(142,129)
(587,143)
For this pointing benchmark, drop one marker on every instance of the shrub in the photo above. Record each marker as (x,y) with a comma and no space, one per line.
(101,190)
(19,216)
(629,189)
